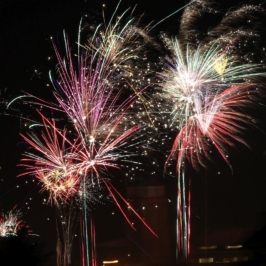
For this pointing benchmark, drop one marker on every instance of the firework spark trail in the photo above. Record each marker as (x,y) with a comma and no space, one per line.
(66,223)
(87,97)
(102,140)
(208,84)
(60,169)
(106,155)
(11,223)
(119,42)
(93,241)
(241,23)
(51,166)
(236,25)
(109,61)
(121,46)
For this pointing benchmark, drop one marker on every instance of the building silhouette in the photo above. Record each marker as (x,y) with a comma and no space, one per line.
(231,245)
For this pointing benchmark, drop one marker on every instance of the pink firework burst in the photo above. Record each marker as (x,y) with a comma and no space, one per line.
(103,140)
(50,162)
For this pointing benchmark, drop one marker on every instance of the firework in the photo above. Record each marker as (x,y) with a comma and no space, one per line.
(207,85)
(92,99)
(207,81)
(66,224)
(205,88)
(50,163)
(11,223)
(98,116)
(120,42)
(123,44)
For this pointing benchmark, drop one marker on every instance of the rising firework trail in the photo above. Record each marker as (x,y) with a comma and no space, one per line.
(67,220)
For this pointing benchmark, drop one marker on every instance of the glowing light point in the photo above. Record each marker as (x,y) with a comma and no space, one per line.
(92,139)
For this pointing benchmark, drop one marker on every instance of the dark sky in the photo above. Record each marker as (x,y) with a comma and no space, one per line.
(25,31)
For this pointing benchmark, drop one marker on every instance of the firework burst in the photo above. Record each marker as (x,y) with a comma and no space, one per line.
(120,42)
(207,85)
(50,163)
(11,223)
(206,89)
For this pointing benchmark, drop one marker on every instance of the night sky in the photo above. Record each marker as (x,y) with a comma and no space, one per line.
(26,55)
